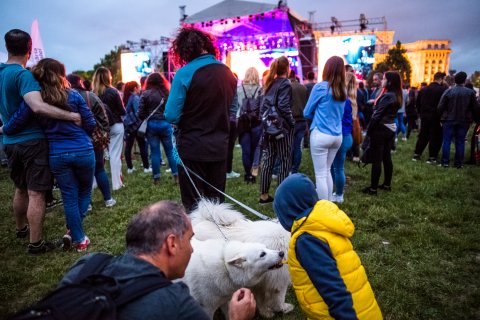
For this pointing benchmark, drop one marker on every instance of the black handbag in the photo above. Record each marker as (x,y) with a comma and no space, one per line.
(366,157)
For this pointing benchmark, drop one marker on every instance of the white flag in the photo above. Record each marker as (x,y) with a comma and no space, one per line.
(37,45)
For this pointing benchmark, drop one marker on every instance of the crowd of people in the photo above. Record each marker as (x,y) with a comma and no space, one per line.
(58,127)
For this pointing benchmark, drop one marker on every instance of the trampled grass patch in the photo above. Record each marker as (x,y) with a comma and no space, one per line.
(419,243)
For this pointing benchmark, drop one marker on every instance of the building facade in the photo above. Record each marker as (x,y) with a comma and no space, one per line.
(426,58)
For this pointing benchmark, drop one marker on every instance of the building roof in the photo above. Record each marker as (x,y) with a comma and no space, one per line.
(229,9)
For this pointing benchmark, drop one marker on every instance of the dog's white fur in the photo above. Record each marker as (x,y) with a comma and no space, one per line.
(271,290)
(218,268)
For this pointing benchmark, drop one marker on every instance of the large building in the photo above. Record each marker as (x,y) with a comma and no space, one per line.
(427,57)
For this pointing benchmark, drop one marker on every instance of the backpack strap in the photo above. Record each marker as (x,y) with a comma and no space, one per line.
(255,92)
(140,287)
(87,95)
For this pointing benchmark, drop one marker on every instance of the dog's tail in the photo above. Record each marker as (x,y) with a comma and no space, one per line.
(220,213)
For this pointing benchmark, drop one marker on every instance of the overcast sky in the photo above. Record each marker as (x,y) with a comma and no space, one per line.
(79,33)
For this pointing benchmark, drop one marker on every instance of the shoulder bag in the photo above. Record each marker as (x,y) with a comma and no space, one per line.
(142,130)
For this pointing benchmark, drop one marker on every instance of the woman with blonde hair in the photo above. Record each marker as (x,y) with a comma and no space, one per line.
(325,108)
(71,155)
(278,93)
(349,113)
(102,87)
(249,126)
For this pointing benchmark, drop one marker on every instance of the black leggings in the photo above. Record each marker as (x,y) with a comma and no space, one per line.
(381,142)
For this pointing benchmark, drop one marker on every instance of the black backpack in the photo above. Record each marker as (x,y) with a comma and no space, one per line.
(92,295)
(273,123)
(249,112)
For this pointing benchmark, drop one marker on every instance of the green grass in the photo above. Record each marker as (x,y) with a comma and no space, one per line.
(419,243)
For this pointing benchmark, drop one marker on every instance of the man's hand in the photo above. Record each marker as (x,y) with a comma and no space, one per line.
(242,305)
(76,118)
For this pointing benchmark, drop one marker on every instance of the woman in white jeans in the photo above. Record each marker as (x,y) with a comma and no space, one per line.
(102,86)
(325,108)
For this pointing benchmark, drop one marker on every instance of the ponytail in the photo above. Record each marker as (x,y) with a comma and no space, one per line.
(271,75)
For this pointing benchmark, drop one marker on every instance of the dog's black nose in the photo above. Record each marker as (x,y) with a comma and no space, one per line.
(281,254)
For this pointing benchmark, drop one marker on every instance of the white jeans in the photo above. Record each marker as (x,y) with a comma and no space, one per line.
(115,150)
(323,148)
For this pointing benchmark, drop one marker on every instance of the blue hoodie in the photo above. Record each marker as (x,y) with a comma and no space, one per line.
(294,199)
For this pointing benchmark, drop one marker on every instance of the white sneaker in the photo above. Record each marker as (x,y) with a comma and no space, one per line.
(168,170)
(404,138)
(110,203)
(339,199)
(89,207)
(131,170)
(232,174)
(274,176)
(334,197)
(148,170)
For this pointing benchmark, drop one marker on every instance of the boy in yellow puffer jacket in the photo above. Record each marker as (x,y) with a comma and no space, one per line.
(327,275)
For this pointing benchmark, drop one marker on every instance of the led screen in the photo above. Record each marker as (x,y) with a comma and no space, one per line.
(240,61)
(135,65)
(357,51)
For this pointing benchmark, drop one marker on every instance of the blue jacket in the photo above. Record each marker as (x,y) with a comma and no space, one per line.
(324,111)
(62,136)
(347,120)
(131,111)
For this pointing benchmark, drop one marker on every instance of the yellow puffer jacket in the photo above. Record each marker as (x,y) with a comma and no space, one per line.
(329,224)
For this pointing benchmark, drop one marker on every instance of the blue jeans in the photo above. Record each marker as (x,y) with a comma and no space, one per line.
(400,124)
(101,175)
(457,132)
(249,141)
(74,173)
(338,165)
(161,131)
(300,127)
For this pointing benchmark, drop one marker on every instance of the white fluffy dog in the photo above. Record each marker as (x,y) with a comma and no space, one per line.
(271,290)
(218,268)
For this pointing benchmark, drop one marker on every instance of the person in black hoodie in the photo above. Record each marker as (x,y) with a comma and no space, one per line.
(381,131)
(278,93)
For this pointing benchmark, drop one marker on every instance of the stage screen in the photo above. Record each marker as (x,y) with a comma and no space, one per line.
(135,65)
(357,51)
(240,61)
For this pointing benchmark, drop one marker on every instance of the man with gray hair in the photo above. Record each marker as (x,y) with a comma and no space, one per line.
(158,243)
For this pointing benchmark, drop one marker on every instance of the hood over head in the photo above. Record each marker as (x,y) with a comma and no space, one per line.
(295,198)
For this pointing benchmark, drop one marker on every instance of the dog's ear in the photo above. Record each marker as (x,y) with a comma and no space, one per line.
(237,261)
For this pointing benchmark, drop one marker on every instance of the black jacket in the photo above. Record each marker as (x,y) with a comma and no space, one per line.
(428,99)
(384,112)
(281,91)
(458,104)
(149,100)
(113,105)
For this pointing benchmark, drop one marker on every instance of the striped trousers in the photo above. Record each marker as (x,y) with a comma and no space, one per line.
(276,149)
